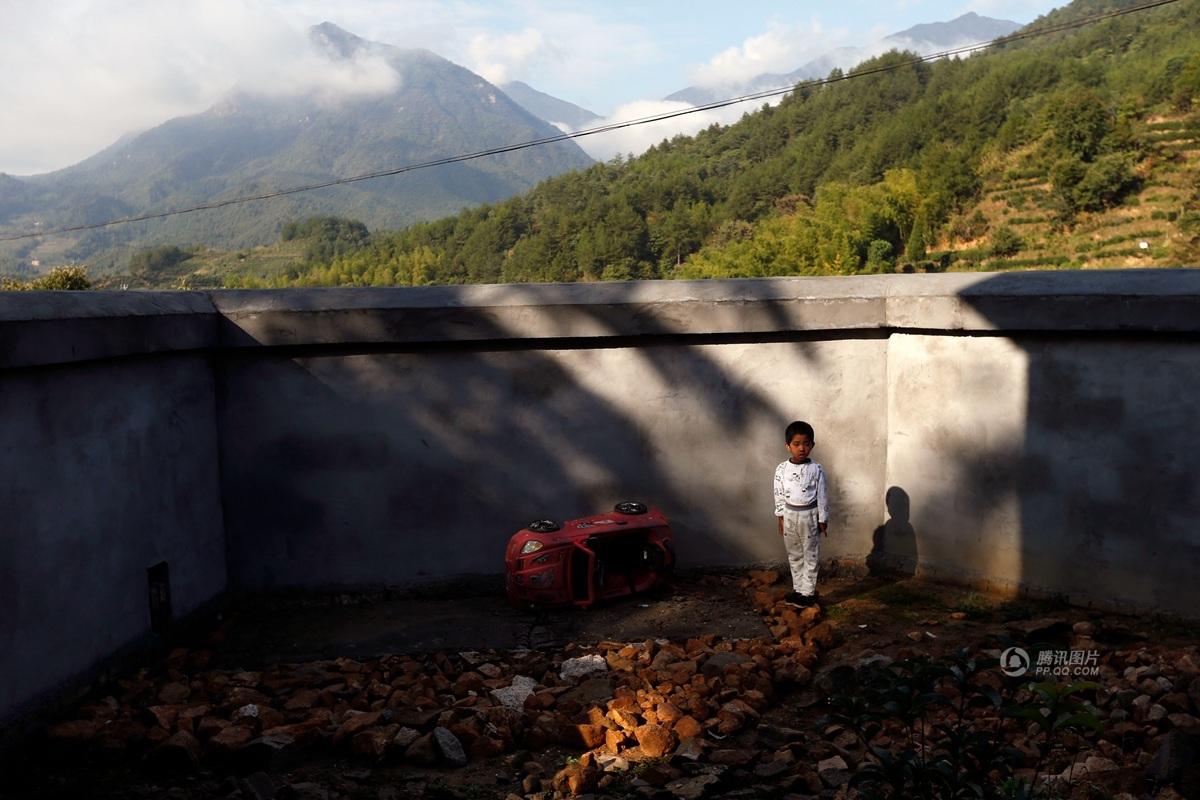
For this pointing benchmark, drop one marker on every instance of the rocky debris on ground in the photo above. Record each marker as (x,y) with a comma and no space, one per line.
(698,718)
(697,702)
(575,668)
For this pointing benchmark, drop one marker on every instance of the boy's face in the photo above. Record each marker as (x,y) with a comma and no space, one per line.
(800,446)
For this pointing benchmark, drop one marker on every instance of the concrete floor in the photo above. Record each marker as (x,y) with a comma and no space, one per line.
(314,627)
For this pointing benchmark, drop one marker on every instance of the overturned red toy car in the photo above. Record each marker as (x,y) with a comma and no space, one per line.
(589,559)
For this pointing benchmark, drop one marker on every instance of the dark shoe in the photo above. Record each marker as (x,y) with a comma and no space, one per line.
(798,600)
(808,600)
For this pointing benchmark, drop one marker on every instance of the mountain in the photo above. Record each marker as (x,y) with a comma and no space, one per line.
(1013,158)
(558,113)
(251,143)
(967,29)
(924,39)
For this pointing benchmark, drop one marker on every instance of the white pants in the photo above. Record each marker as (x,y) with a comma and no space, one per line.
(803,542)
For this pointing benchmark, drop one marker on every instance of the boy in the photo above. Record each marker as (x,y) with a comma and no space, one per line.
(802,508)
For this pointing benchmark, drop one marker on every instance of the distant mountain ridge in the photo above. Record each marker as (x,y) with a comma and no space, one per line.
(250,144)
(925,39)
(549,108)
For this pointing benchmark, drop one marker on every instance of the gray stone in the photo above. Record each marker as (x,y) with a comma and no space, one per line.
(450,747)
(834,771)
(611,763)
(575,668)
(404,737)
(513,696)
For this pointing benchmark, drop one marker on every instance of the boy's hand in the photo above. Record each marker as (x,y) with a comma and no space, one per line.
(823,527)
(780,521)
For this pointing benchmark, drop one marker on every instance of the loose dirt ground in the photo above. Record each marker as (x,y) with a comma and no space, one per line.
(264,630)
(869,616)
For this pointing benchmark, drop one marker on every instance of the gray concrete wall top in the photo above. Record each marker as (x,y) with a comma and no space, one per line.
(40,328)
(1121,300)
(58,327)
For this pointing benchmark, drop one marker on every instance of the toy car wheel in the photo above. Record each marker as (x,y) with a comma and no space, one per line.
(630,508)
(543,526)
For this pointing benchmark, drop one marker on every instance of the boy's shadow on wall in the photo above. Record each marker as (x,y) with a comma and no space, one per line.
(893,555)
(894,543)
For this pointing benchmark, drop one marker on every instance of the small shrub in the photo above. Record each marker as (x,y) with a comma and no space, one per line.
(154,261)
(66,278)
(972,227)
(1005,243)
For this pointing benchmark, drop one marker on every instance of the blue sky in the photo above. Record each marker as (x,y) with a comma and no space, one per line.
(81,73)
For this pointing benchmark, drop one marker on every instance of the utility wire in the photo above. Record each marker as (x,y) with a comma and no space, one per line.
(613,126)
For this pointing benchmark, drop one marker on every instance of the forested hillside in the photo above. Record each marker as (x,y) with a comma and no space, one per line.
(1073,149)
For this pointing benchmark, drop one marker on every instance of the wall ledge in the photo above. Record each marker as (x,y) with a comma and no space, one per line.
(41,328)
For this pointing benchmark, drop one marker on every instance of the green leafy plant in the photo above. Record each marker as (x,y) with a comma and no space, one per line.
(952,711)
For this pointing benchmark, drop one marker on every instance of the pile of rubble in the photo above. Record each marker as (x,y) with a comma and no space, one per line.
(657,718)
(697,701)
(1148,700)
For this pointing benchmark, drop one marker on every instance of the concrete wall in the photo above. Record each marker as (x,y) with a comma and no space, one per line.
(1069,466)
(1024,430)
(1042,435)
(109,464)
(392,468)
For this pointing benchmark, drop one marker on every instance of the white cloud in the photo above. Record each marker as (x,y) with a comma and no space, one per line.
(506,57)
(78,74)
(636,139)
(781,49)
(81,73)
(555,46)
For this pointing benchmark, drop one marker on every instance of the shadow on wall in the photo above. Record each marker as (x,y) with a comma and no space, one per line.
(388,464)
(1093,493)
(894,543)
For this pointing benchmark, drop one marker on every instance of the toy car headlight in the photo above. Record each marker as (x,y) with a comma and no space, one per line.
(532,546)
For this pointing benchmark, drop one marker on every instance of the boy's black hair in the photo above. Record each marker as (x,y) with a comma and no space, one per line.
(801,427)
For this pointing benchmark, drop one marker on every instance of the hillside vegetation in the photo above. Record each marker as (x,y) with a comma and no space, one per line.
(1076,149)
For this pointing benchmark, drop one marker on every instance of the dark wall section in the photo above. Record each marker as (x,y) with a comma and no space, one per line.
(109,469)
(1110,471)
(1042,434)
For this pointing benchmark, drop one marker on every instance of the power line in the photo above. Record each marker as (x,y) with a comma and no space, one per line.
(613,126)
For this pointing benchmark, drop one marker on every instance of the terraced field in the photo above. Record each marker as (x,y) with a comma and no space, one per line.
(1150,228)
